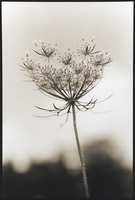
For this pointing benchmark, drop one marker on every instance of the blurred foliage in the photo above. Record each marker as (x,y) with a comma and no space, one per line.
(107,177)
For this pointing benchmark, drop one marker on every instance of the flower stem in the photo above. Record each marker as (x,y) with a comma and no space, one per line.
(80,154)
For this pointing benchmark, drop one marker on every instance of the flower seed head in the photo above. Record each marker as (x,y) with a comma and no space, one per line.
(74,79)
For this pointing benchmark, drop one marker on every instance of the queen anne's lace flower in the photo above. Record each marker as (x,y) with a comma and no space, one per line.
(71,81)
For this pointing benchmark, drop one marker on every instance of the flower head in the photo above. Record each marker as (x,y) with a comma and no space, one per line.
(87,49)
(101,59)
(46,52)
(71,82)
(66,59)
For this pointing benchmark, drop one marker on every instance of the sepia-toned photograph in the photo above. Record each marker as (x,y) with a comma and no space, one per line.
(67,100)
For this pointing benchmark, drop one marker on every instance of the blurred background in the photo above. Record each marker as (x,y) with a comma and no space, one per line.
(38,155)
(107,176)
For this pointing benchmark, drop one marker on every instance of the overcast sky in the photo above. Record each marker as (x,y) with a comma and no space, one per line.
(27,138)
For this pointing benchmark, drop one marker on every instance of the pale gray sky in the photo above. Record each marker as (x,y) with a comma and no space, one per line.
(27,138)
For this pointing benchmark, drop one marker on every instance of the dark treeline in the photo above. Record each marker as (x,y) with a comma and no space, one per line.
(107,177)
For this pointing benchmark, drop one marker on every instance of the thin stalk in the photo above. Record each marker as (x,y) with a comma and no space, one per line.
(80,154)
